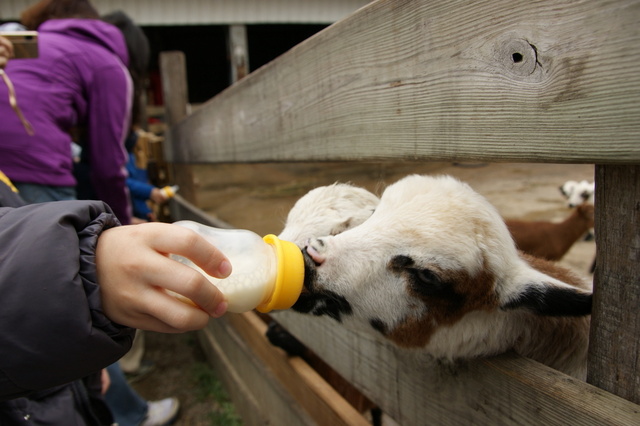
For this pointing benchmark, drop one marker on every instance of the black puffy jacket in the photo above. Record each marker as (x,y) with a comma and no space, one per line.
(52,328)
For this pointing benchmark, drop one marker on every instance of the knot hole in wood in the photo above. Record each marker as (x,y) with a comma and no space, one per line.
(519,57)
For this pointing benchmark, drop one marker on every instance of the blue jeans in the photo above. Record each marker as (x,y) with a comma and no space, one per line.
(35,193)
(128,408)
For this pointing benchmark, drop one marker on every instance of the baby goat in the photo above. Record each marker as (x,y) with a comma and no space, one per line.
(435,268)
(549,240)
(328,210)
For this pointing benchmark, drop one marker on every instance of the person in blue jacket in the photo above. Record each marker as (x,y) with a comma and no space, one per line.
(140,188)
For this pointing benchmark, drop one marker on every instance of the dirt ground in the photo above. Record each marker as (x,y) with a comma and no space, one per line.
(178,360)
(258,197)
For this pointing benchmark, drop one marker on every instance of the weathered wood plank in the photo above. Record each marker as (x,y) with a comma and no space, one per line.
(238,51)
(311,392)
(254,389)
(279,390)
(173,68)
(505,390)
(175,92)
(444,80)
(614,351)
(181,209)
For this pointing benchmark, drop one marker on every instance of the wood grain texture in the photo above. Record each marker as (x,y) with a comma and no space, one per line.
(277,389)
(413,389)
(174,86)
(445,80)
(614,352)
(173,68)
(253,387)
(312,393)
(238,51)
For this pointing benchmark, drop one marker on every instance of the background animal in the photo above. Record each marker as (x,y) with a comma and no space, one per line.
(549,240)
(578,193)
(435,268)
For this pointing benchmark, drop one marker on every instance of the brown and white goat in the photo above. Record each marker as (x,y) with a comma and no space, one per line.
(549,240)
(435,268)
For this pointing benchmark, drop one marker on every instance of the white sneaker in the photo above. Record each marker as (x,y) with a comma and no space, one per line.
(161,412)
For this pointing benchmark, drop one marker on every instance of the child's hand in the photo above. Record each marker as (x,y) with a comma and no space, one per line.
(158,196)
(134,270)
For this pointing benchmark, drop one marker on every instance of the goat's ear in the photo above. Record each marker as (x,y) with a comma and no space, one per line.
(552,300)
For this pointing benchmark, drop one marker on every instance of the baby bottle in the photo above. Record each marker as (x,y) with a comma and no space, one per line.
(267,273)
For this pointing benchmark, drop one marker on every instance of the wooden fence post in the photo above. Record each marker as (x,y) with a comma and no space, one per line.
(173,70)
(614,350)
(238,52)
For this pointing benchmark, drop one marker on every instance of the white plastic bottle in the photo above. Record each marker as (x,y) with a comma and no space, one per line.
(267,273)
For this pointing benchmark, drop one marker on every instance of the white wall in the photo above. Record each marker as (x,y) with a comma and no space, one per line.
(198,12)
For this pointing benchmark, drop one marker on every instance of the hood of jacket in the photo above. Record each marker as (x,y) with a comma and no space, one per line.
(92,30)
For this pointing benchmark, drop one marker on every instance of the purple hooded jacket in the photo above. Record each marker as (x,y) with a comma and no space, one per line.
(79,79)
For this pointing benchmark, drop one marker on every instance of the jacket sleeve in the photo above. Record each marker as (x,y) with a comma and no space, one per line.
(139,189)
(52,328)
(110,96)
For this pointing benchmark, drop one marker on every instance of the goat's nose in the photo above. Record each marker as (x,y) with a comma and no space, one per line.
(315,249)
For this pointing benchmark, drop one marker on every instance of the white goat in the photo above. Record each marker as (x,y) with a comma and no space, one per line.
(326,210)
(435,267)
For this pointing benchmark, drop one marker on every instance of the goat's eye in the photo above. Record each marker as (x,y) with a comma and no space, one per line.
(585,195)
(425,276)
(427,283)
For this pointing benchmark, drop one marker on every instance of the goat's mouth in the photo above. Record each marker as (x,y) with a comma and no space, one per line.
(315,301)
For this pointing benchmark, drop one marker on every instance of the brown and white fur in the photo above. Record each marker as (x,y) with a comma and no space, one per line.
(435,268)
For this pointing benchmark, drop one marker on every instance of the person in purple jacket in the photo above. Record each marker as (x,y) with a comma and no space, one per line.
(69,298)
(79,80)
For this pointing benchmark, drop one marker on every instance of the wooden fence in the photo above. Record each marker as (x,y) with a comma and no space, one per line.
(439,80)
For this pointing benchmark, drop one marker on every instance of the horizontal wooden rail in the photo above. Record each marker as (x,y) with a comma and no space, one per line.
(416,390)
(444,80)
(268,386)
